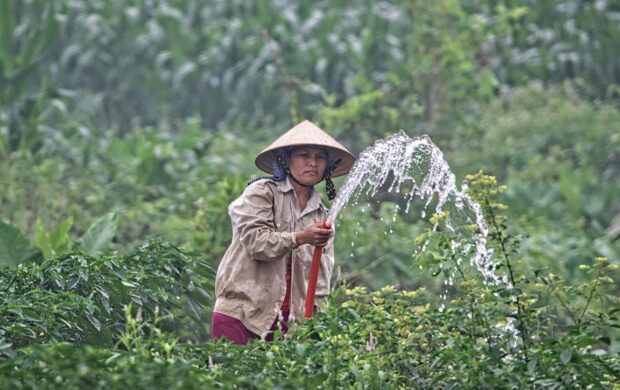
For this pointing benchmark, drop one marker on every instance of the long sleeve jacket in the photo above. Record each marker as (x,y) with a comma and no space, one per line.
(250,283)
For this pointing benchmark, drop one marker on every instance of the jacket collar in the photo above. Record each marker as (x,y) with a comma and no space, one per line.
(314,202)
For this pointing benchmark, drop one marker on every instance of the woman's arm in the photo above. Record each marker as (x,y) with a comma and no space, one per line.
(253,220)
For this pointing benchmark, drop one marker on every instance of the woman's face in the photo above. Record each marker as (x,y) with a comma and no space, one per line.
(307,164)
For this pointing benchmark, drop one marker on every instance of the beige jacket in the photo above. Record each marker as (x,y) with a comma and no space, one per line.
(250,283)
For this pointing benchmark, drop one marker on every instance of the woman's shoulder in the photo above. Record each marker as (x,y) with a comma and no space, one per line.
(261,187)
(260,192)
(262,184)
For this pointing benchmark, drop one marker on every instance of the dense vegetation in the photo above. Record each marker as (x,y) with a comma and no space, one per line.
(127,127)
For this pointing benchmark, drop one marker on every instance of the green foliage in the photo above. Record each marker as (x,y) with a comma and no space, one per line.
(373,246)
(18,249)
(70,367)
(121,121)
(552,41)
(15,248)
(211,230)
(23,45)
(99,235)
(156,183)
(263,63)
(531,124)
(26,32)
(388,338)
(78,298)
(53,242)
(559,157)
(535,331)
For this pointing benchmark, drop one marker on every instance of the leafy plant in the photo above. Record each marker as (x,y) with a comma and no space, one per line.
(15,248)
(18,249)
(78,298)
(55,241)
(386,338)
(99,235)
(26,31)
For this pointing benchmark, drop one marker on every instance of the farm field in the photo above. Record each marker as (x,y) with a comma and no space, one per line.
(128,127)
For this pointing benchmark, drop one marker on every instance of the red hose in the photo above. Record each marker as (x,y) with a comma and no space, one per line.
(312,280)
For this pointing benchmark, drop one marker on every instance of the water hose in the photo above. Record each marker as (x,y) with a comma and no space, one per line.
(314,276)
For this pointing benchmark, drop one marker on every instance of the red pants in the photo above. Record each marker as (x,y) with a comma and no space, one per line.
(234,330)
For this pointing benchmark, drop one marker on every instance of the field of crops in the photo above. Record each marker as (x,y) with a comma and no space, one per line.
(128,126)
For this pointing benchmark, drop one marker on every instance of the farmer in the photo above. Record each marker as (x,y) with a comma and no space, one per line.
(262,279)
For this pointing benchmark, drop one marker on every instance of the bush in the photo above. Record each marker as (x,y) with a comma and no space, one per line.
(384,339)
(80,299)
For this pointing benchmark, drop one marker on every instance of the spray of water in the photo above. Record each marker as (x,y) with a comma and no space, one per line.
(418,169)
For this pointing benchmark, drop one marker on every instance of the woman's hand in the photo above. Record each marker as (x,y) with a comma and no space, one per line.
(316,234)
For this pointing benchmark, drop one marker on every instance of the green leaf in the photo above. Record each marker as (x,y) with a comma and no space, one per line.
(15,248)
(99,235)
(566,355)
(6,348)
(128,284)
(60,236)
(195,306)
(42,239)
(54,242)
(94,321)
(531,365)
(112,358)
(17,311)
(34,47)
(517,13)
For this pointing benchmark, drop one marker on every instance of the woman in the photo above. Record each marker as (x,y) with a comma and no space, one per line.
(262,279)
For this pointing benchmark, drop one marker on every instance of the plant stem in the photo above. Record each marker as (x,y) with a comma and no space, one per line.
(590,296)
(475,318)
(500,237)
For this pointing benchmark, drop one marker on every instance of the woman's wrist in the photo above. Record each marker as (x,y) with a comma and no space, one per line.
(299,238)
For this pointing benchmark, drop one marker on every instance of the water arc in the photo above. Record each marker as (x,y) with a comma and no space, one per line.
(418,170)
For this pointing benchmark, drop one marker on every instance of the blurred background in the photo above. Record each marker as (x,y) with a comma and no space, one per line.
(124,120)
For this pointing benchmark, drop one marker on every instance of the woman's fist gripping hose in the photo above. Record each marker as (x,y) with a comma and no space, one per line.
(316,234)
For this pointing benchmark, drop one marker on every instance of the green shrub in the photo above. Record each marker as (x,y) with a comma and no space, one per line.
(384,339)
(559,157)
(80,299)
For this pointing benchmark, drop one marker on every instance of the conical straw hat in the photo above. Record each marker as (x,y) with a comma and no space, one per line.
(307,133)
